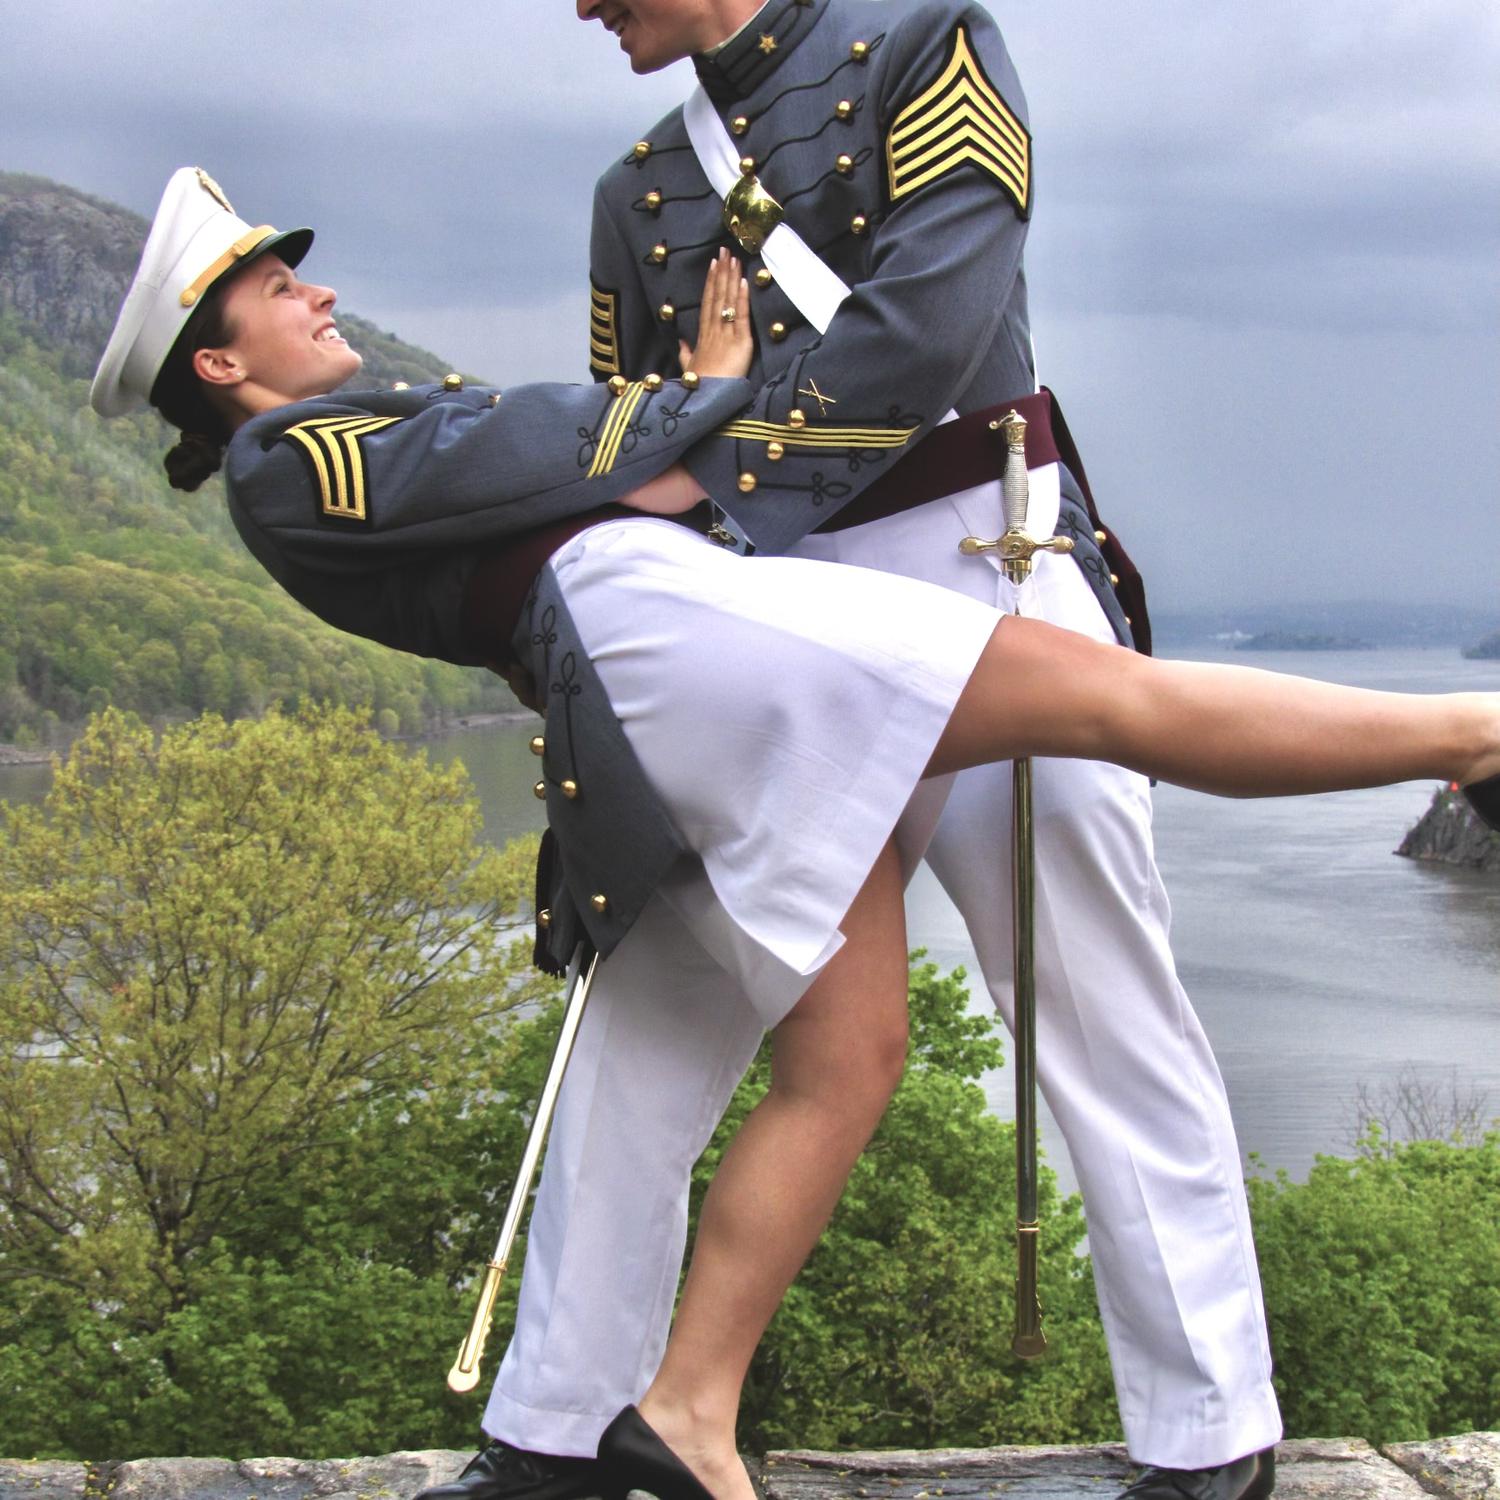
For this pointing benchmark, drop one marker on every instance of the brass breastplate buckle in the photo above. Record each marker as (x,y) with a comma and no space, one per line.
(751,213)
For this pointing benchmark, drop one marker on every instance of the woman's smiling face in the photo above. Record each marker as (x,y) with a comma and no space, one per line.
(284,341)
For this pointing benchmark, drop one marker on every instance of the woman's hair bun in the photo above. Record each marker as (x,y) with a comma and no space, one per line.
(195,458)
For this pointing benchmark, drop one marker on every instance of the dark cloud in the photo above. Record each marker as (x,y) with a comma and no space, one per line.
(1272,229)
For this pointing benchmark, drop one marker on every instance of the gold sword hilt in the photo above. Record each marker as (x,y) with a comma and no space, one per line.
(1016,549)
(464,1375)
(1015,545)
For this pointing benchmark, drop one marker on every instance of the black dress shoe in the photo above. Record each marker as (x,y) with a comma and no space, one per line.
(1484,798)
(500,1472)
(634,1458)
(1252,1477)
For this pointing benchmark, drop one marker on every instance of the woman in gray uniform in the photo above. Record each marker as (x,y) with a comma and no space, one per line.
(735,736)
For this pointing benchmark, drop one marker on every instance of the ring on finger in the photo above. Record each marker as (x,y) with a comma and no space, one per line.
(726,315)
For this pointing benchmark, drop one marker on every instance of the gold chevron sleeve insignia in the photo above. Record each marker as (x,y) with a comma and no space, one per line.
(331,447)
(604,333)
(817,437)
(616,425)
(959,119)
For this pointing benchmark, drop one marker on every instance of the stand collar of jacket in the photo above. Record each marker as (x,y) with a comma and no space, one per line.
(750,57)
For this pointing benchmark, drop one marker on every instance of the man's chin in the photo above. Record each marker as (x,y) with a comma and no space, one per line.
(653,62)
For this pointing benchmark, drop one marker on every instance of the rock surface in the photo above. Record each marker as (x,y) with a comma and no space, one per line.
(1448,833)
(1467,1467)
(1457,1468)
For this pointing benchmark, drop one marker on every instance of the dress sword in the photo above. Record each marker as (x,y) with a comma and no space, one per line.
(1015,550)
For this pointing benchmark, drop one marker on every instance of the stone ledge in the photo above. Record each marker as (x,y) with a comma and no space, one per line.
(1466,1467)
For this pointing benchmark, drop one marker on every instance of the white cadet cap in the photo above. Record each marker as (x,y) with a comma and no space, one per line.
(195,240)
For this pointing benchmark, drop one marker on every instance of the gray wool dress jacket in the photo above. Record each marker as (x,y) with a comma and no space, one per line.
(895,136)
(374,509)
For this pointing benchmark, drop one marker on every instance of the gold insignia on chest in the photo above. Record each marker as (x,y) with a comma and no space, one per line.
(957,120)
(331,446)
(824,401)
(604,339)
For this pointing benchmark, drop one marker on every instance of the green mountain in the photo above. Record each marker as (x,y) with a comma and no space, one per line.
(115,588)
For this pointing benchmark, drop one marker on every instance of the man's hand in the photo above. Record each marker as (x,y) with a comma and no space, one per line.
(672,492)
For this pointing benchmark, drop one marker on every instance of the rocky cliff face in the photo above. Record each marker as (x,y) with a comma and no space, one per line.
(65,261)
(1448,833)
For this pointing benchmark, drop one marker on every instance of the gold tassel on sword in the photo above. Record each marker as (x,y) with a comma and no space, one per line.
(465,1372)
(1016,549)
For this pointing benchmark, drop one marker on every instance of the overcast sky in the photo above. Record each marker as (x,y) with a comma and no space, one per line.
(1264,263)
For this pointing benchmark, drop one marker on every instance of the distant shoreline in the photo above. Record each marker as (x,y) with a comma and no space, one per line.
(17,755)
(14,755)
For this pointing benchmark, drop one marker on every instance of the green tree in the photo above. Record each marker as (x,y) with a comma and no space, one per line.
(1382,1282)
(222,954)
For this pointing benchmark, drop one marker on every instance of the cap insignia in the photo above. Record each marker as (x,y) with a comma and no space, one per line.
(213,190)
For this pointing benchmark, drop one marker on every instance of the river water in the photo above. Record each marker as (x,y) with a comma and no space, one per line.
(1317,960)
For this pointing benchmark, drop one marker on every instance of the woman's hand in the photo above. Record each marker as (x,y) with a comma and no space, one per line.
(725,342)
(725,347)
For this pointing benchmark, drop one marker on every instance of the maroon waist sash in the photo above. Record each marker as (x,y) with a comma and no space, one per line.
(951,458)
(966,452)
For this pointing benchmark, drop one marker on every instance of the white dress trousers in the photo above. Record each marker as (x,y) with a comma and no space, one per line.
(1122,1060)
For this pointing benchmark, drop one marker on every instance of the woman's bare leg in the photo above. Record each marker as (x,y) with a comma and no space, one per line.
(1234,731)
(836,1060)
(1036,690)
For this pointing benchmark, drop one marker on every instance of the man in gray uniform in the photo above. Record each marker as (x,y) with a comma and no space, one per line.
(894,138)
